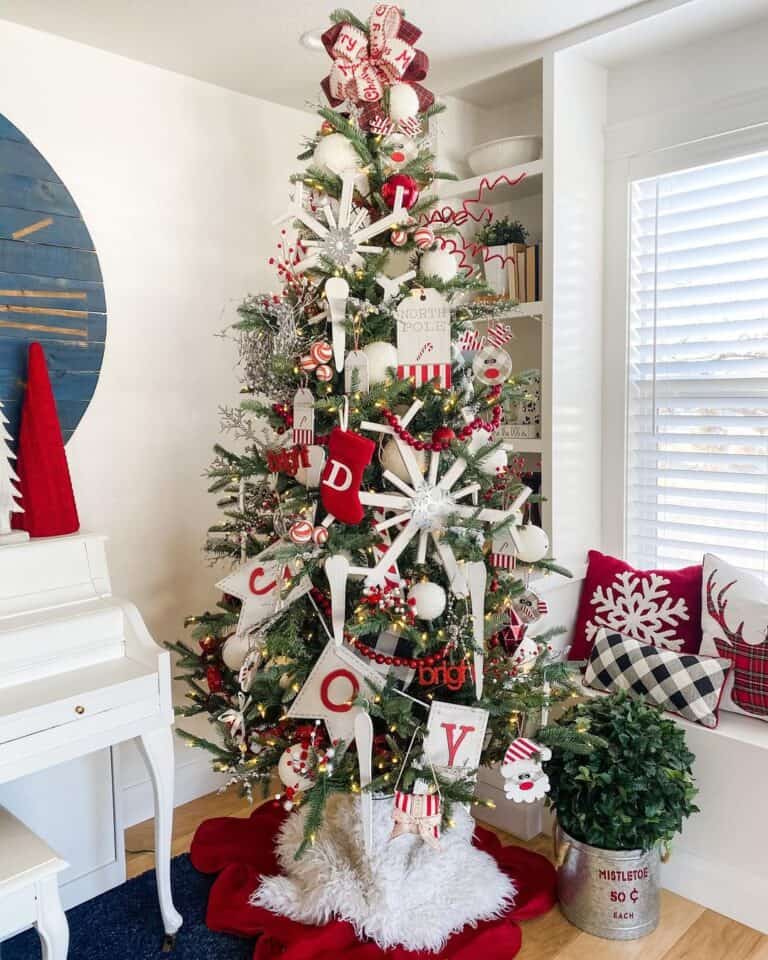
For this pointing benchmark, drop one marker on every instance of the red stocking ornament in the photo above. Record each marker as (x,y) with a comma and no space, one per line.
(348,456)
(44,481)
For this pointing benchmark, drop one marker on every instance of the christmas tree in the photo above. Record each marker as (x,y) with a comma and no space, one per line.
(374,644)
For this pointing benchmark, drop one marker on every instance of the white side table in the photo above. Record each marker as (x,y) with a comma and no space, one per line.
(29,890)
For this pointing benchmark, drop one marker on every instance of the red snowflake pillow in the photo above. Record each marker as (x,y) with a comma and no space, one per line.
(734,619)
(660,607)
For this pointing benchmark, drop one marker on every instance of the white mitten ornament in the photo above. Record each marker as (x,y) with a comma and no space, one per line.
(524,777)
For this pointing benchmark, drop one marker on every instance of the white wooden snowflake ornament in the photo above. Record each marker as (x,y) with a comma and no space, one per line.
(343,237)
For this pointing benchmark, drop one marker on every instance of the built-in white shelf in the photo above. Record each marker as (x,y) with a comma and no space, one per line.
(524,444)
(535,308)
(467,189)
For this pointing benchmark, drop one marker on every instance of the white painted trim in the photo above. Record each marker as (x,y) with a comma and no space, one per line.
(686,124)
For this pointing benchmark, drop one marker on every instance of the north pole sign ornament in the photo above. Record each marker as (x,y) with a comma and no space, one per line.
(424,338)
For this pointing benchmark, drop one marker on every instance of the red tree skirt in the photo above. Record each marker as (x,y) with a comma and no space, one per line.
(241,851)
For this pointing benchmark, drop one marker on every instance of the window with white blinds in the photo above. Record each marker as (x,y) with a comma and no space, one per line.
(697,417)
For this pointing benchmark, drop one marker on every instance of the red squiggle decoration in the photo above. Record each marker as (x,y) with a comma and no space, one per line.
(459,217)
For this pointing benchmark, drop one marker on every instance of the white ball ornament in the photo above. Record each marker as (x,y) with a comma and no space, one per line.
(438,263)
(234,651)
(403,101)
(293,766)
(381,356)
(533,543)
(336,154)
(392,460)
(430,600)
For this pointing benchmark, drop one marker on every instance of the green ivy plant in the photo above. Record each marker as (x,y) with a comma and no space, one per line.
(501,231)
(634,791)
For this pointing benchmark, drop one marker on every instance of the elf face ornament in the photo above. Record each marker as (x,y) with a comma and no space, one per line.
(524,777)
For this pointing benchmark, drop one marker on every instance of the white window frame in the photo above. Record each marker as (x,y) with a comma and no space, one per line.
(651,147)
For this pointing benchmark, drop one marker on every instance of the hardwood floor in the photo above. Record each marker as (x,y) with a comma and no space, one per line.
(686,932)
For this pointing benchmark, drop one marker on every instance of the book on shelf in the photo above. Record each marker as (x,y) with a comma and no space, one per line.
(524,272)
(512,251)
(532,271)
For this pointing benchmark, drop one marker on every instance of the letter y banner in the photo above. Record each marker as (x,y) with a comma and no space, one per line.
(455,736)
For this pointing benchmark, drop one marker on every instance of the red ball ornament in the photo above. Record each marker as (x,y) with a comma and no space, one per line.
(443,435)
(214,679)
(410,190)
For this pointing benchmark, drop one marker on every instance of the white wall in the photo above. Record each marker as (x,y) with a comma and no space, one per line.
(178,181)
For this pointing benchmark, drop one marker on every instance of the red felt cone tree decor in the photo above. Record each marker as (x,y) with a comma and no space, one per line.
(44,482)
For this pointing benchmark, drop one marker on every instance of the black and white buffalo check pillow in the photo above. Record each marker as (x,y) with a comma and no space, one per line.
(682,683)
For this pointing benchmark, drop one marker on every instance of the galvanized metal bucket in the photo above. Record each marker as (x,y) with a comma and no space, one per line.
(609,893)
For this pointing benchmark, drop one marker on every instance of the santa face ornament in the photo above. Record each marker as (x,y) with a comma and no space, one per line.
(524,776)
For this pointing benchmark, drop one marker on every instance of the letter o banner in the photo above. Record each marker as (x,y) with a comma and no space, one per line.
(328,679)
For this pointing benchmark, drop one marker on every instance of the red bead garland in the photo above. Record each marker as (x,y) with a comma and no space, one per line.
(443,442)
(441,436)
(413,663)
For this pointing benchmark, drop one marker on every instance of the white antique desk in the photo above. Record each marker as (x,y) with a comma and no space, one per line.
(80,672)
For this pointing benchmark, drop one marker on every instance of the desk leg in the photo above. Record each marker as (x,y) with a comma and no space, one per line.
(52,925)
(157,749)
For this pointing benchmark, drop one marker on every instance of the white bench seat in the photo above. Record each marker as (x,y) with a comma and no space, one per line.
(29,891)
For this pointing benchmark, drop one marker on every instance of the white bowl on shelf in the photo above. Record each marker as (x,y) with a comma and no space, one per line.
(506,152)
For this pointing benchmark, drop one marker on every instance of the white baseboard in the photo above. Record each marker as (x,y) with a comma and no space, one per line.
(721,888)
(194,779)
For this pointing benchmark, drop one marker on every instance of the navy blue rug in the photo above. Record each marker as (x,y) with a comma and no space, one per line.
(125,924)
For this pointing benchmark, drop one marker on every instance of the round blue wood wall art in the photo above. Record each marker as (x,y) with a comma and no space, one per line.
(50,284)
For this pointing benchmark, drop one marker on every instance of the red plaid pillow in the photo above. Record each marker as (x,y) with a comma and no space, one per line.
(734,619)
(660,607)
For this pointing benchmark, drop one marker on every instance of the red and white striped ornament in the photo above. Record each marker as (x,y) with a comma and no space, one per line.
(324,373)
(307,364)
(417,813)
(424,372)
(529,606)
(321,352)
(399,237)
(301,531)
(424,237)
(499,334)
(320,535)
(304,417)
(410,126)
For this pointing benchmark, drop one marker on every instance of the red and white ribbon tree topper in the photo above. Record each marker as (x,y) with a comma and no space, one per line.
(364,65)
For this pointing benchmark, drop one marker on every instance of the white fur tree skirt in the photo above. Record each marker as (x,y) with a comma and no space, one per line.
(407,893)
